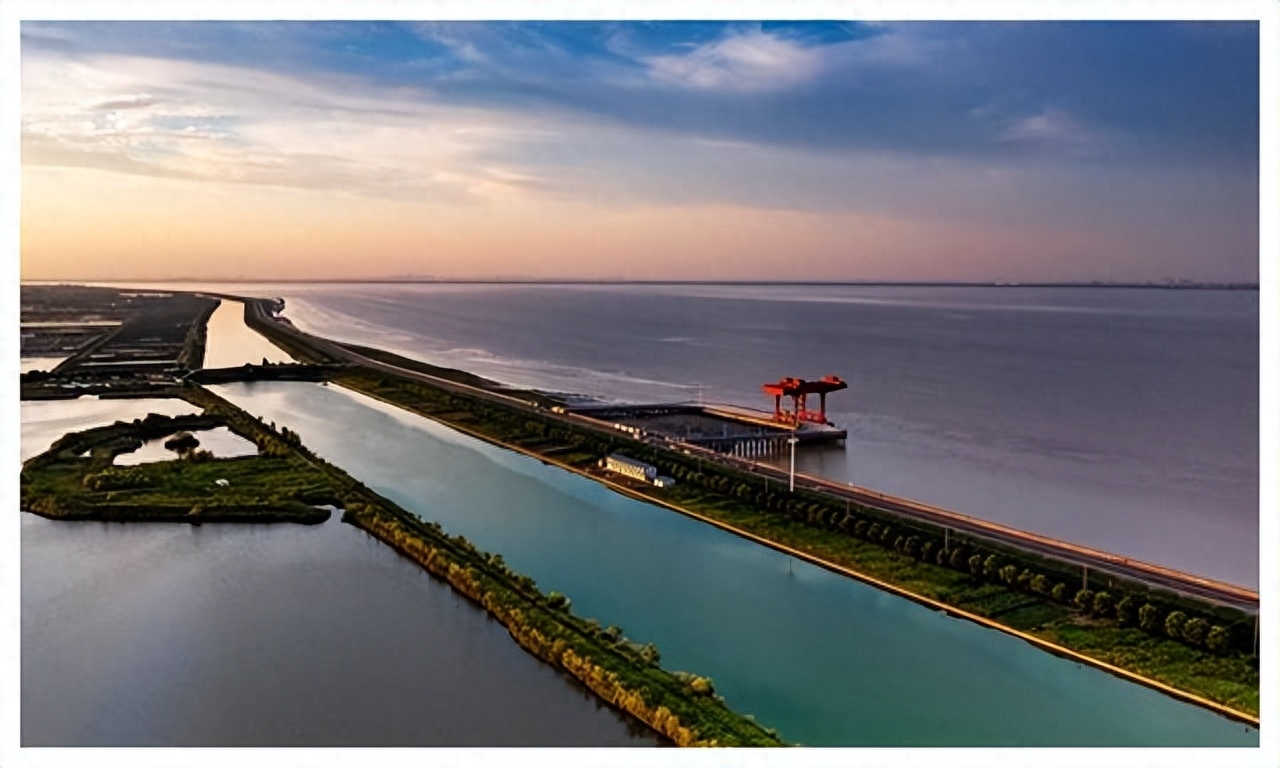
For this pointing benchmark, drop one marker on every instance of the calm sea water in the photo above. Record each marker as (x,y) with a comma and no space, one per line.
(262,635)
(1125,419)
(823,658)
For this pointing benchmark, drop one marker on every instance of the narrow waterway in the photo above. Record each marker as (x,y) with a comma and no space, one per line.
(823,658)
(265,635)
(229,342)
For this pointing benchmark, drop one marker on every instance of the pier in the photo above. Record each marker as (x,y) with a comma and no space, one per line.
(724,429)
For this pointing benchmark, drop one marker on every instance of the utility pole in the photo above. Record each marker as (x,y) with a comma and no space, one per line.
(792,442)
(1086,576)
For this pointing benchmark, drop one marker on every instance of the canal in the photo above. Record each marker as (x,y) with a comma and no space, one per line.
(172,635)
(824,659)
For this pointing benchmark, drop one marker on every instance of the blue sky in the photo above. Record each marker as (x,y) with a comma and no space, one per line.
(949,150)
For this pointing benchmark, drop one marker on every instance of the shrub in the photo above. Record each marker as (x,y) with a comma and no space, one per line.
(1084,599)
(926,551)
(1009,574)
(1024,579)
(649,652)
(991,567)
(1149,618)
(975,565)
(1125,610)
(1218,640)
(911,546)
(860,528)
(1174,623)
(1103,602)
(1040,584)
(1195,631)
(958,559)
(1059,593)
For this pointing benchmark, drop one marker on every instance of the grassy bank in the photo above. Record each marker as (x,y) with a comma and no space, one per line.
(1195,647)
(680,706)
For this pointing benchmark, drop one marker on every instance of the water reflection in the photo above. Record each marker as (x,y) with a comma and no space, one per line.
(229,342)
(220,441)
(258,635)
(824,659)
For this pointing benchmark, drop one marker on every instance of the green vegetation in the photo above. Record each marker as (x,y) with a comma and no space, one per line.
(1036,595)
(63,483)
(680,706)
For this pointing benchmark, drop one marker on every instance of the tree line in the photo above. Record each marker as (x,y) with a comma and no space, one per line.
(1047,580)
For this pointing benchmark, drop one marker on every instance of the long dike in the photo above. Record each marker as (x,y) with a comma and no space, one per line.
(330,349)
(259,317)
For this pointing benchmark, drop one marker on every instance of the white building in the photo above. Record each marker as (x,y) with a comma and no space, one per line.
(629,467)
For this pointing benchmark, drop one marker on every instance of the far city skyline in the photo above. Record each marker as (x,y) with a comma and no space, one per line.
(823,151)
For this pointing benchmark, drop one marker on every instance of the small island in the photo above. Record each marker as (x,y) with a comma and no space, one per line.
(76,478)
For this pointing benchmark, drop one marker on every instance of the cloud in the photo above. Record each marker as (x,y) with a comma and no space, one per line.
(748,61)
(197,120)
(1055,130)
(133,101)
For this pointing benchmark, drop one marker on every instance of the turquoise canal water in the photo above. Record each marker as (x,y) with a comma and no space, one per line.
(822,658)
(171,635)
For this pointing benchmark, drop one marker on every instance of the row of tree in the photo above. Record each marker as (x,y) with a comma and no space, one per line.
(1058,586)
(683,707)
(918,541)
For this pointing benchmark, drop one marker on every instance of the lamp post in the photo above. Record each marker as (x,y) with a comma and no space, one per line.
(792,442)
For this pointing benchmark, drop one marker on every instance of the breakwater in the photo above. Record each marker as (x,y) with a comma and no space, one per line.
(1025,590)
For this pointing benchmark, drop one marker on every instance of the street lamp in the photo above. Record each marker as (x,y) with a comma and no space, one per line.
(792,442)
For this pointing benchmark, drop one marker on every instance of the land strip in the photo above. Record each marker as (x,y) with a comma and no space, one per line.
(259,315)
(1198,650)
(75,480)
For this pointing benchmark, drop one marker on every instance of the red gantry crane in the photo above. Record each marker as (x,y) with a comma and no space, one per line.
(799,390)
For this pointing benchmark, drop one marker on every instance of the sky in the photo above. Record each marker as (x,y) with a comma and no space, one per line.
(912,151)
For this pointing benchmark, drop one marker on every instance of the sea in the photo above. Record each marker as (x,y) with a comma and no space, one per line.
(1125,419)
(1120,418)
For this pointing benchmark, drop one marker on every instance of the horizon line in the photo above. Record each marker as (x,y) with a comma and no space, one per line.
(1164,283)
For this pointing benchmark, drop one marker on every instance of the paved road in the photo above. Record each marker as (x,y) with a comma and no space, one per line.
(1096,560)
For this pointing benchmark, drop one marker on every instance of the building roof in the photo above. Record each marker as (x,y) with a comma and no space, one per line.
(618,457)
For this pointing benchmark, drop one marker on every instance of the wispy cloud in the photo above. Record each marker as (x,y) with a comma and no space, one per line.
(748,61)
(221,123)
(1054,130)
(999,126)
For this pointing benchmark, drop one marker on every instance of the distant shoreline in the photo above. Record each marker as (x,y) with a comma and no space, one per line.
(521,281)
